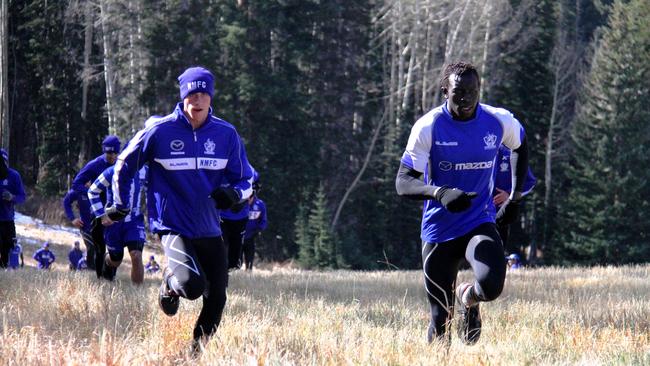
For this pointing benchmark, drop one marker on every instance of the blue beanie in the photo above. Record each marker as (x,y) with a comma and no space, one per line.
(111,144)
(196,79)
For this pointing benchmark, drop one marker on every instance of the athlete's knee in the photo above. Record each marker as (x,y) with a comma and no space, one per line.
(189,286)
(489,289)
(136,256)
(116,257)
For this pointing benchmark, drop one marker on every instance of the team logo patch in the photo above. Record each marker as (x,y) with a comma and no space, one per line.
(445,166)
(504,166)
(209,147)
(490,141)
(177,145)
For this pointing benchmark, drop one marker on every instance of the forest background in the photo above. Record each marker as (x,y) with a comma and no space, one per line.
(324,94)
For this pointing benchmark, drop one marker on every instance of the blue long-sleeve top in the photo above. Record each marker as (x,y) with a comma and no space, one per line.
(503,174)
(74,256)
(44,257)
(256,219)
(185,166)
(14,184)
(89,173)
(82,203)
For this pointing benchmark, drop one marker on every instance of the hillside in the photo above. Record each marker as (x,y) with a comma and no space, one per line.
(279,316)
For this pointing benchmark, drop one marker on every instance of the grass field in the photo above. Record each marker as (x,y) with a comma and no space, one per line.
(280,316)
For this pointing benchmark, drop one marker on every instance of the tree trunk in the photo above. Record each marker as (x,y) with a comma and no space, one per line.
(108,67)
(4,71)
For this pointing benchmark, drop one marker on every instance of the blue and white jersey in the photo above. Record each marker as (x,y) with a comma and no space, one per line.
(44,257)
(243,213)
(103,184)
(503,174)
(256,219)
(459,154)
(14,256)
(185,166)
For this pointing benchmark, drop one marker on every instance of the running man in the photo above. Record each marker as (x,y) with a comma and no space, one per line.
(80,184)
(455,146)
(12,192)
(83,222)
(127,233)
(256,224)
(233,227)
(502,188)
(191,155)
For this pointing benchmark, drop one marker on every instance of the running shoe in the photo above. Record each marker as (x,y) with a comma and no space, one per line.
(469,324)
(167,299)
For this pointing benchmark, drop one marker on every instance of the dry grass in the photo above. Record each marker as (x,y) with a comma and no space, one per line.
(280,316)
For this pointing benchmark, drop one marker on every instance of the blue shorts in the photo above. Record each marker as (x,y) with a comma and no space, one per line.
(124,234)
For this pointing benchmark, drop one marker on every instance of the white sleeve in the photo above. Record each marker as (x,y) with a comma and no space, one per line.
(418,147)
(512,130)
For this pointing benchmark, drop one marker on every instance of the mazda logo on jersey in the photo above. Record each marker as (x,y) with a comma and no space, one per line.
(177,145)
(445,166)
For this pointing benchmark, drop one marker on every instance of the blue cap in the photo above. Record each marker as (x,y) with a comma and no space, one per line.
(46,244)
(111,144)
(4,154)
(513,256)
(196,79)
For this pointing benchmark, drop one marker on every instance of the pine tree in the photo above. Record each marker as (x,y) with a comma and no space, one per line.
(303,238)
(604,218)
(319,231)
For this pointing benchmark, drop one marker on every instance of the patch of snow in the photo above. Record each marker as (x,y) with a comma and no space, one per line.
(28,220)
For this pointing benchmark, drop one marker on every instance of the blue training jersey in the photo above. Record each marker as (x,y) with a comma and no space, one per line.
(14,256)
(503,174)
(89,173)
(256,219)
(185,166)
(74,256)
(84,208)
(459,154)
(14,184)
(44,257)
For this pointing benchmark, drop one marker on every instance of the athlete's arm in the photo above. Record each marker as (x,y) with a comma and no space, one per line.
(69,198)
(100,185)
(19,194)
(519,168)
(263,222)
(128,163)
(239,172)
(408,184)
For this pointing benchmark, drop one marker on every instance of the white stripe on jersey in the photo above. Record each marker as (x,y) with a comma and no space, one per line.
(212,163)
(177,163)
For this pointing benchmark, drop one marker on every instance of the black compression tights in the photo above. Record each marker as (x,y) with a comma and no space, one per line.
(199,267)
(483,250)
(233,236)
